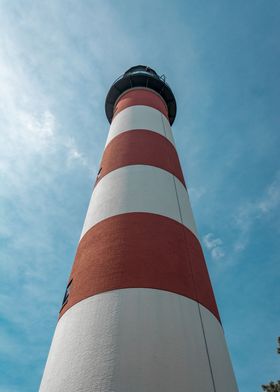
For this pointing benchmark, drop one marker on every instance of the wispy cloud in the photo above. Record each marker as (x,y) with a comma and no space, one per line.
(74,155)
(30,131)
(271,198)
(246,216)
(196,193)
(215,246)
(252,212)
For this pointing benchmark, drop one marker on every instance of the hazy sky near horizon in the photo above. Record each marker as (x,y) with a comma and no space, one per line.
(57,61)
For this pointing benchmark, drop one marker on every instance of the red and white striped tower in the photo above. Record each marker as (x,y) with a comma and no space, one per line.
(139,313)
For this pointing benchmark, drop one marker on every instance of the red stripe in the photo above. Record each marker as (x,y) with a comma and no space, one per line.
(141,97)
(141,147)
(140,250)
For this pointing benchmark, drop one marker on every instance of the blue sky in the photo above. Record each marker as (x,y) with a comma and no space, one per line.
(57,62)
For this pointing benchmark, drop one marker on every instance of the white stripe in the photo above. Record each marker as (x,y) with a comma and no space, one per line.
(218,353)
(139,188)
(135,340)
(140,117)
(83,350)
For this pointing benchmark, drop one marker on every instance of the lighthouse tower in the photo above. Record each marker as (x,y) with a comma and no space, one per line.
(139,313)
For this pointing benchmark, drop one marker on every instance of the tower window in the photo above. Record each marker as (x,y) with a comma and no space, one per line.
(67,292)
(99,172)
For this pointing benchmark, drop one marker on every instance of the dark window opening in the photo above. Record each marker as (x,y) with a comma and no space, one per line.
(67,292)
(99,171)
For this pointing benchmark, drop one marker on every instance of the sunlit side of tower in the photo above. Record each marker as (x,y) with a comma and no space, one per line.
(139,313)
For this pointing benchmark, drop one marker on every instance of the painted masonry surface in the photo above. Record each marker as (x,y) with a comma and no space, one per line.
(139,313)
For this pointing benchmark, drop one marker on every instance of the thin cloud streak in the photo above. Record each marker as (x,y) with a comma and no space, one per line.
(252,212)
(215,246)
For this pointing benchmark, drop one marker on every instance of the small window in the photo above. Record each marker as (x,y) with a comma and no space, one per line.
(67,292)
(99,172)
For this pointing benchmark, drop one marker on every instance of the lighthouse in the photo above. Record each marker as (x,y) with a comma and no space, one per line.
(139,313)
